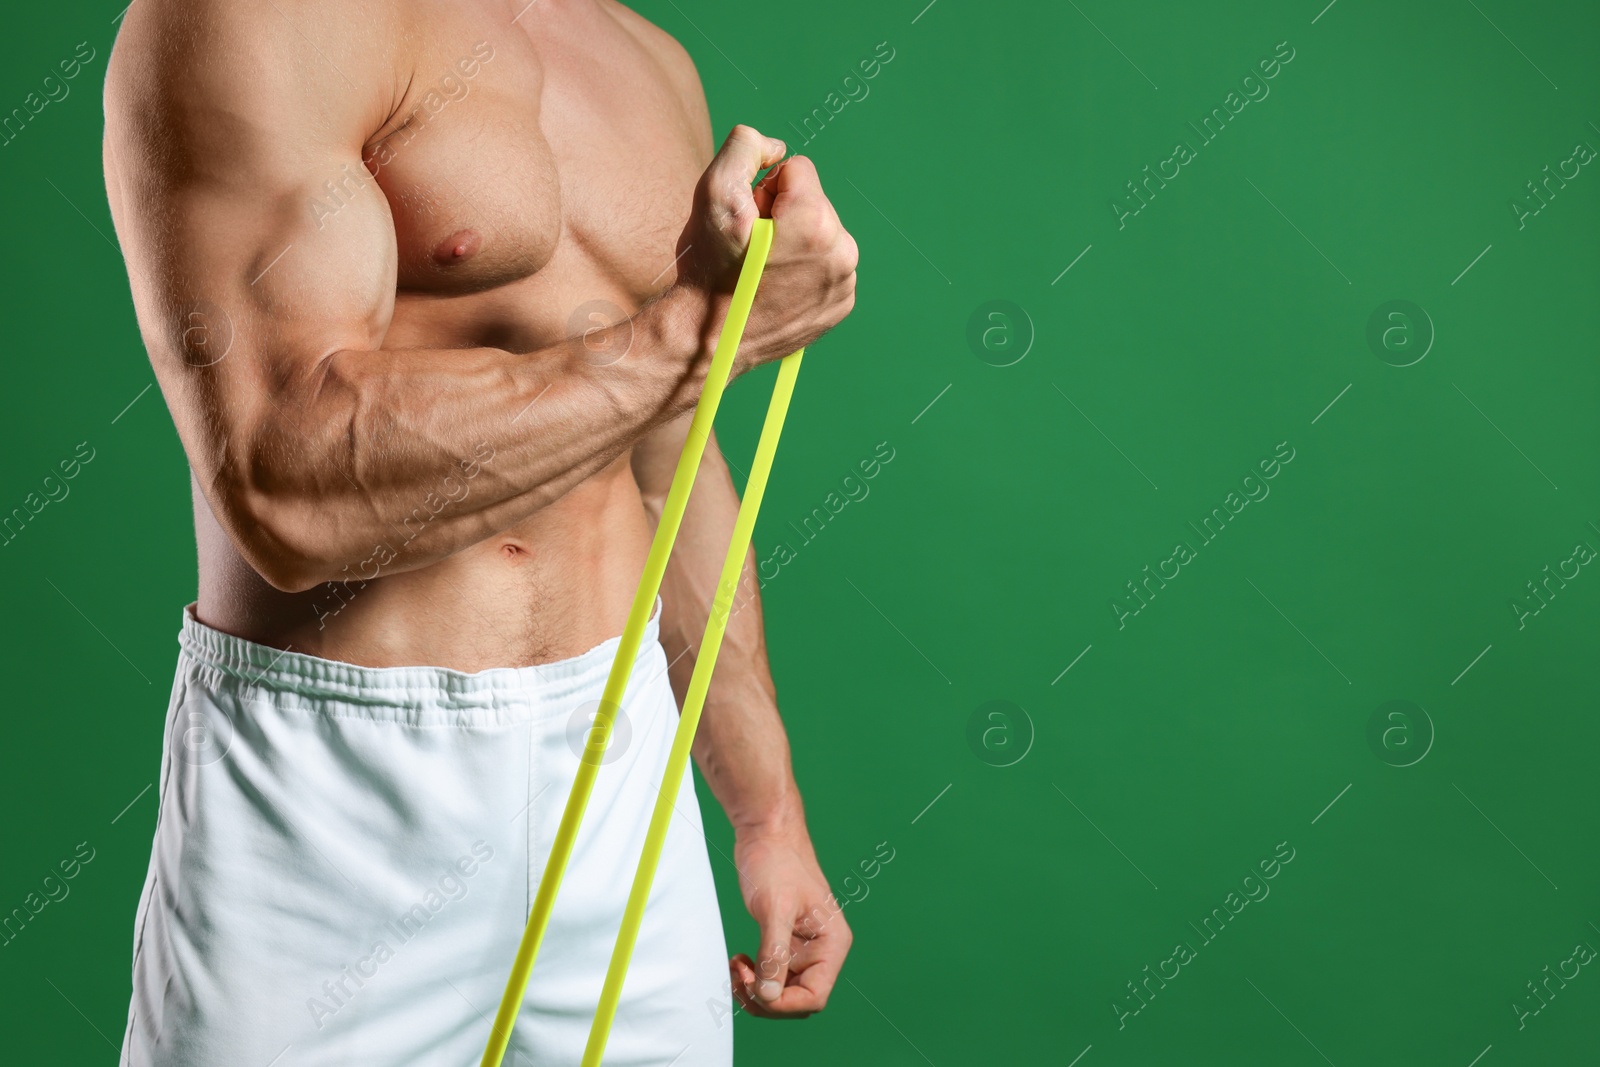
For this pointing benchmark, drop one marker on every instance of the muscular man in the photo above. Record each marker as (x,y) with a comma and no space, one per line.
(430,288)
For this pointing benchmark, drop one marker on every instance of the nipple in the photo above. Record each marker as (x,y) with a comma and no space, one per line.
(457,248)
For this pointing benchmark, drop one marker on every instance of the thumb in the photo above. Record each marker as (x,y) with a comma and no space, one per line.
(729,201)
(772,963)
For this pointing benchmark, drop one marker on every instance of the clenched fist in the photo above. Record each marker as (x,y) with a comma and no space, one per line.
(809,283)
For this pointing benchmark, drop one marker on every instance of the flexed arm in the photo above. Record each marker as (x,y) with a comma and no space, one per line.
(310,439)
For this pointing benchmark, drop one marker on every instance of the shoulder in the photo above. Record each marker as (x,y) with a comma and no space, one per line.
(653,37)
(323,65)
(673,57)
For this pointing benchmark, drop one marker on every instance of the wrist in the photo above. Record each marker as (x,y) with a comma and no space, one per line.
(780,816)
(685,321)
(663,370)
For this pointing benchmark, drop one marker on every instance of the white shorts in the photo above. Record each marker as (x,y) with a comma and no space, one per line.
(345,858)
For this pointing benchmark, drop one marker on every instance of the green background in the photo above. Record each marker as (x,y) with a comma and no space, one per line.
(1231,714)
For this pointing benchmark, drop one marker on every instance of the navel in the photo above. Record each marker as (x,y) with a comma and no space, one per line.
(457,248)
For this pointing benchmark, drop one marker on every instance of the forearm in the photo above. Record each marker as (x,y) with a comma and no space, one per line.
(368,440)
(741,746)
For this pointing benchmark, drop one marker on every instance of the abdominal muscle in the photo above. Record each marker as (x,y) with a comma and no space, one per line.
(553,586)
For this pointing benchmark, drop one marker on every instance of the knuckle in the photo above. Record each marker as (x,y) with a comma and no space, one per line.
(814,226)
(729,189)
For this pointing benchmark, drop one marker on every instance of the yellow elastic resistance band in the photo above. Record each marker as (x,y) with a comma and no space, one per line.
(627,651)
(699,682)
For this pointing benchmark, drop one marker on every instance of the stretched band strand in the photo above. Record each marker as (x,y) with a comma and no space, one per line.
(627,651)
(694,701)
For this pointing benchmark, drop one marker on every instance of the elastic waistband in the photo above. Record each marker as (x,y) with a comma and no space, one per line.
(312,676)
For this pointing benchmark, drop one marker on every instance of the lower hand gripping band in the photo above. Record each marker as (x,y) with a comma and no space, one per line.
(694,447)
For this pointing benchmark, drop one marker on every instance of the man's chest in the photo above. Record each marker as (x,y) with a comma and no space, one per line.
(559,147)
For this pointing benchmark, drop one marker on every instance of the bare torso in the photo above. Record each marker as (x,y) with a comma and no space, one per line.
(365,242)
(523,212)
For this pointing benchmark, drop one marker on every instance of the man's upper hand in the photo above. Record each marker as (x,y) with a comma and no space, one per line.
(809,283)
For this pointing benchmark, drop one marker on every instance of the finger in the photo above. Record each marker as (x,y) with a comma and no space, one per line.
(798,183)
(745,153)
(766,190)
(794,185)
(814,973)
(743,970)
(742,979)
(803,212)
(777,936)
(747,974)
(853,256)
